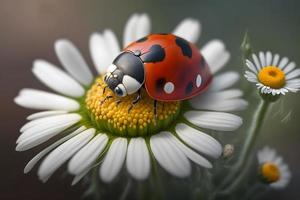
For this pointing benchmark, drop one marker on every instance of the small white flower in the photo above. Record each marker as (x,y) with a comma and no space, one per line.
(88,141)
(273,169)
(273,75)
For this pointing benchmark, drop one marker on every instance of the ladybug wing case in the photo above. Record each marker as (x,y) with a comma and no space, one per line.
(174,68)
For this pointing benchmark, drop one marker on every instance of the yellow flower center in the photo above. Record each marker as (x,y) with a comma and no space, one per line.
(270,172)
(272,76)
(109,112)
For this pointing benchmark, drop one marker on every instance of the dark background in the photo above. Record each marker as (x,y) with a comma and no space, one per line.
(29,28)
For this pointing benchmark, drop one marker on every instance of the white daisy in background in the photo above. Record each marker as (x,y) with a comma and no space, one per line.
(273,75)
(92,134)
(273,169)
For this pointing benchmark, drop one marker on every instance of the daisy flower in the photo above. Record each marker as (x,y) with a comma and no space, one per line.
(92,133)
(273,169)
(272,74)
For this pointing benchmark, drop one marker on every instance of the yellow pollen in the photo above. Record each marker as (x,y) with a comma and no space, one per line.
(272,76)
(109,114)
(270,172)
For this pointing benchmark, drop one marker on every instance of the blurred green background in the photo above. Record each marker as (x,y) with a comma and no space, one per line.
(29,28)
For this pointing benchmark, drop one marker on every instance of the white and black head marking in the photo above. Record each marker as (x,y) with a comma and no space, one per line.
(126,75)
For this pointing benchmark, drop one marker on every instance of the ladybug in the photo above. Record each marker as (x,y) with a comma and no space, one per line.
(169,67)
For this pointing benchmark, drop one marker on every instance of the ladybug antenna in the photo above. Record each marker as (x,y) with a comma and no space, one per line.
(118,102)
(107,97)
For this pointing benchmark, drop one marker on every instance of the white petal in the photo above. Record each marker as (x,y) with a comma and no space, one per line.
(279,161)
(199,140)
(262,155)
(192,155)
(293,74)
(56,158)
(250,76)
(262,59)
(270,154)
(226,105)
(293,84)
(283,62)
(219,101)
(275,60)
(224,80)
(48,120)
(112,42)
(113,160)
(169,156)
(38,125)
(279,184)
(45,114)
(268,58)
(78,177)
(41,100)
(212,49)
(104,48)
(289,67)
(215,55)
(40,155)
(72,61)
(43,132)
(214,120)
(56,79)
(285,171)
(294,81)
(257,63)
(188,29)
(137,26)
(143,26)
(128,35)
(138,159)
(226,94)
(221,62)
(251,66)
(84,158)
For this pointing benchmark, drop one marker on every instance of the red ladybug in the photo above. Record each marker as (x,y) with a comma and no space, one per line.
(169,67)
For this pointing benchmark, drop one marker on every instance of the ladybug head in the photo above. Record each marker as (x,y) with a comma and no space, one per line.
(126,74)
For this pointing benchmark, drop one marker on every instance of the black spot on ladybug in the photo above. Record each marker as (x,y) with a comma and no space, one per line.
(155,54)
(189,88)
(143,39)
(159,84)
(202,63)
(162,34)
(184,46)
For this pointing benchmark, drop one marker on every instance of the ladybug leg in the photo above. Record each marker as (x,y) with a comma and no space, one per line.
(104,89)
(107,97)
(118,102)
(155,109)
(139,96)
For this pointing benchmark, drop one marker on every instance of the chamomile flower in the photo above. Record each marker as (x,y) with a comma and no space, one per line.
(272,74)
(273,170)
(91,132)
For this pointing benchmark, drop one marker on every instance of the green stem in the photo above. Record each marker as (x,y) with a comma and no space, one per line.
(126,190)
(94,187)
(237,175)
